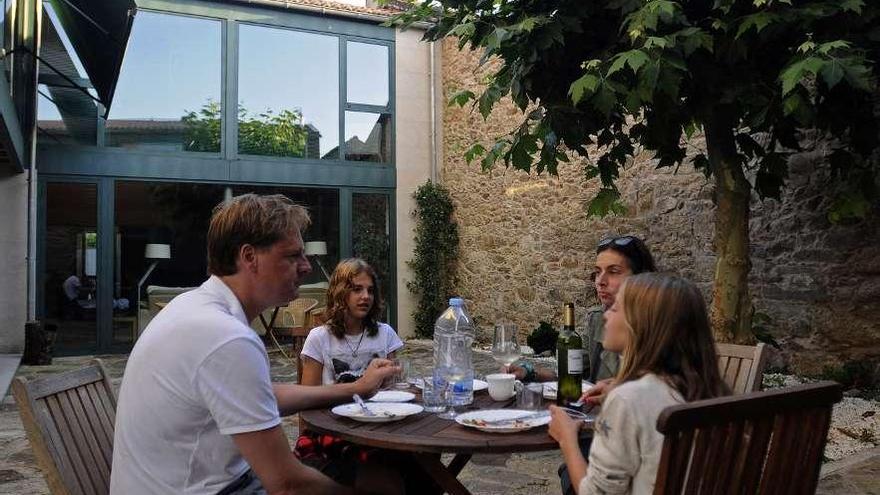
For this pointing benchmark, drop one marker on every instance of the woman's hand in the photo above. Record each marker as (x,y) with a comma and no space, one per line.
(562,427)
(518,371)
(596,394)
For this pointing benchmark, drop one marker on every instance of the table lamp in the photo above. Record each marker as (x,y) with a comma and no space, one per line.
(316,249)
(153,252)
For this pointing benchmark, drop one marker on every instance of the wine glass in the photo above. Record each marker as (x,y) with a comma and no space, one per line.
(505,349)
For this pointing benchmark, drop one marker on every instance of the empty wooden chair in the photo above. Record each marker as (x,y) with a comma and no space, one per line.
(767,443)
(742,366)
(69,420)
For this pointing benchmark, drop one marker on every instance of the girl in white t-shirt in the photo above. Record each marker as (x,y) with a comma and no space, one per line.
(340,350)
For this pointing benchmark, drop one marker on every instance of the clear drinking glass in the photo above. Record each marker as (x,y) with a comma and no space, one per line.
(453,376)
(401,378)
(505,349)
(433,395)
(529,396)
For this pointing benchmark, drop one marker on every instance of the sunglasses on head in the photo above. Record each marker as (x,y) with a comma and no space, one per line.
(617,241)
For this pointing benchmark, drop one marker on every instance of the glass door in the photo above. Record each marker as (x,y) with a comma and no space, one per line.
(70,265)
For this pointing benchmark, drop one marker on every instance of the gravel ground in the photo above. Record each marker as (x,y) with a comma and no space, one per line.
(518,474)
(855,422)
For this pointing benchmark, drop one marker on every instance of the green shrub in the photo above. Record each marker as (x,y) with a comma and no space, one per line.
(434,257)
(543,338)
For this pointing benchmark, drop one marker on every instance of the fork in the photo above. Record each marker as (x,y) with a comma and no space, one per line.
(360,402)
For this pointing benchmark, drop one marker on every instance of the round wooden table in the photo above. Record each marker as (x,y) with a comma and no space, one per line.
(425,436)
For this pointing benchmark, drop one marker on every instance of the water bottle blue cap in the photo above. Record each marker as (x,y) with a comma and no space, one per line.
(456,301)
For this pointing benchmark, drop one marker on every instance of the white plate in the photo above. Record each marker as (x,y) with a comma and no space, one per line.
(550,389)
(472,419)
(385,411)
(478,384)
(392,396)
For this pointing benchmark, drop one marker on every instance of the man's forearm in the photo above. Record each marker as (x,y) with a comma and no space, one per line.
(293,398)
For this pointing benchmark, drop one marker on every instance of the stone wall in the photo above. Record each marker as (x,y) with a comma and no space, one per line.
(527,244)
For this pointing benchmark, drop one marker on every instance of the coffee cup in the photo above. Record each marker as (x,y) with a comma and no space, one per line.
(501,385)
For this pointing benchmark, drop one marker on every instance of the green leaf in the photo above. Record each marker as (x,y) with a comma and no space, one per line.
(585,84)
(634,58)
(465,30)
(618,63)
(474,152)
(758,21)
(854,6)
(604,100)
(607,201)
(793,74)
(832,72)
(461,98)
(694,38)
(858,75)
(826,48)
(653,41)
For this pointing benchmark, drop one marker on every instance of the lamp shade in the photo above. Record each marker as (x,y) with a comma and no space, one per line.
(158,251)
(315,248)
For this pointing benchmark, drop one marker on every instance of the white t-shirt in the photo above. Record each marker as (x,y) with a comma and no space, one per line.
(351,354)
(626,445)
(196,376)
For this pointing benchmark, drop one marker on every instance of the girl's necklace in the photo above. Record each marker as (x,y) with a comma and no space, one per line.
(354,350)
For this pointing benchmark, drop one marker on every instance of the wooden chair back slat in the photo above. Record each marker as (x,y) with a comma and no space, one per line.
(764,442)
(86,443)
(742,366)
(69,422)
(747,473)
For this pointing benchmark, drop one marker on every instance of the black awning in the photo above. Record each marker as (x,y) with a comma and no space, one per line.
(98,31)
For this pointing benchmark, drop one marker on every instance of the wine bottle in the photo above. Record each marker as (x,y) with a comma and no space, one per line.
(569,360)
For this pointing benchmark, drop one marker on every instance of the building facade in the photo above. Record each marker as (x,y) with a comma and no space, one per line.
(153,112)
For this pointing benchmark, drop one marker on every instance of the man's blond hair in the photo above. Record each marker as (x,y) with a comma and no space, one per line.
(250,219)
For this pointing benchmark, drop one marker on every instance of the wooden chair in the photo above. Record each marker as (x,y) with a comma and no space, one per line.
(742,366)
(69,421)
(767,443)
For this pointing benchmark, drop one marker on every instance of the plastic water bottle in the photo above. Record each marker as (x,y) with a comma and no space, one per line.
(453,357)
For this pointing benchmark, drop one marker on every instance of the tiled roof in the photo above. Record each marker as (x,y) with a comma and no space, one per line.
(392,8)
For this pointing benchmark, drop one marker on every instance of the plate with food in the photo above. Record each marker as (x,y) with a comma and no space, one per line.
(551,387)
(478,384)
(503,420)
(379,412)
(392,396)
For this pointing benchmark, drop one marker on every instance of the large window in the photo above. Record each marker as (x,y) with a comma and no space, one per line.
(288,93)
(368,115)
(161,237)
(169,92)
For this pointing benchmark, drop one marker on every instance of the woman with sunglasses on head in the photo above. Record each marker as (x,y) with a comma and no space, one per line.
(616,258)
(660,325)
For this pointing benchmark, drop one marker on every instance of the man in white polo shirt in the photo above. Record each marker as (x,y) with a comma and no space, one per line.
(197,411)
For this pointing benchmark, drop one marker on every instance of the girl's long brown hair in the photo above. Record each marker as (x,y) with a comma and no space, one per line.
(337,295)
(670,336)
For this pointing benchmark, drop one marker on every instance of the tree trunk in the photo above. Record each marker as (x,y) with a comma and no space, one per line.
(731,312)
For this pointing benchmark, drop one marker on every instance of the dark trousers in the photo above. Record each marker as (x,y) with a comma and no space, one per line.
(564,478)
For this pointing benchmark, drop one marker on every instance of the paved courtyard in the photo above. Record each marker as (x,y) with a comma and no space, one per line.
(533,473)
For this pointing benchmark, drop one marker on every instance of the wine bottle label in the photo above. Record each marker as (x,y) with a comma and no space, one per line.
(575,362)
